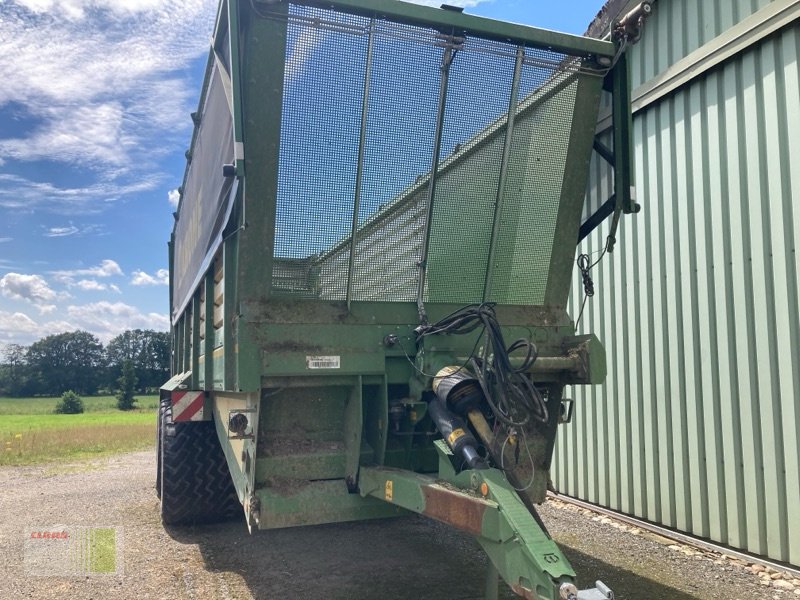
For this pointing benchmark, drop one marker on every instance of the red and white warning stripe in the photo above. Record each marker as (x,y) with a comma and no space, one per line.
(187,406)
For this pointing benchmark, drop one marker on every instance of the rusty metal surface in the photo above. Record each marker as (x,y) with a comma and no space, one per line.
(454,508)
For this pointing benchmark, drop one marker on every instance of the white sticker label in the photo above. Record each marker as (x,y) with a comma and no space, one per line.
(323,362)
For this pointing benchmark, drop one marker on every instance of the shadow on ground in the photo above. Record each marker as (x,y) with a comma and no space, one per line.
(626,584)
(402,559)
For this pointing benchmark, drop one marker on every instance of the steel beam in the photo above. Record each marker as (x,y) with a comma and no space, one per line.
(484,504)
(362,137)
(501,181)
(423,16)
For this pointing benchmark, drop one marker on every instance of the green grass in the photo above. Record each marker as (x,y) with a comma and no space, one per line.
(41,406)
(30,433)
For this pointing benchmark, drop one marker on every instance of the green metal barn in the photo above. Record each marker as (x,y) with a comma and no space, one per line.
(696,426)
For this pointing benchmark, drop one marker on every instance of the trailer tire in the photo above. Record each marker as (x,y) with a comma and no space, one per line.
(194,482)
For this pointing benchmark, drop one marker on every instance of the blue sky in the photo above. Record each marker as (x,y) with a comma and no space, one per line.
(94,121)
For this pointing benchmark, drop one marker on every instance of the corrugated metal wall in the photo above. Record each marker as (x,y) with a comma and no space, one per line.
(697,425)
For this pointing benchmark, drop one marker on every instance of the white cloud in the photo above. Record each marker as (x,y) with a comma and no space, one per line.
(110,70)
(32,288)
(106,268)
(6,239)
(101,86)
(108,319)
(93,135)
(91,285)
(21,194)
(174,197)
(160,277)
(103,319)
(61,231)
(76,9)
(16,323)
(19,328)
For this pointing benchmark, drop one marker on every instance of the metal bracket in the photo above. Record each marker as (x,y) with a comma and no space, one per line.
(600,592)
(567,409)
(629,27)
(240,423)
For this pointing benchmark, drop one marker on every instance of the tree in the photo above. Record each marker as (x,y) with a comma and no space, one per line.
(127,383)
(70,404)
(66,361)
(149,351)
(14,379)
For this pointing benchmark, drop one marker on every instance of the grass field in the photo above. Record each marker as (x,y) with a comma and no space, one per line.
(30,432)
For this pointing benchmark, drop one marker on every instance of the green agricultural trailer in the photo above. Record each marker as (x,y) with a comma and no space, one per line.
(369,269)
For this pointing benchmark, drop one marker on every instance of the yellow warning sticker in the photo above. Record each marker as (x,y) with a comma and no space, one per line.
(387,490)
(454,435)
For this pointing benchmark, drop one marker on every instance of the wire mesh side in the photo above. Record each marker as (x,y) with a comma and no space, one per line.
(323,99)
(319,144)
(472,151)
(402,118)
(534,182)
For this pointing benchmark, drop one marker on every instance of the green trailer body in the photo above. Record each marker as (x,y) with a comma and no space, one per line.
(359,171)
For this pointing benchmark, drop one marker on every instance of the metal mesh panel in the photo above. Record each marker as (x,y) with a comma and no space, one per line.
(535,174)
(399,142)
(463,211)
(319,146)
(323,98)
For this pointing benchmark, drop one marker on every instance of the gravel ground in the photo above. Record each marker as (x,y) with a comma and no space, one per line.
(404,559)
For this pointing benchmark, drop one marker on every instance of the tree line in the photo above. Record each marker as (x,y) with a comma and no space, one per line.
(78,361)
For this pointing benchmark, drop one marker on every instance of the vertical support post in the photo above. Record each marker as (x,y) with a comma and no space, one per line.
(186,328)
(236,86)
(623,125)
(501,182)
(444,70)
(208,348)
(362,137)
(195,347)
(230,327)
(177,346)
(171,257)
(353,430)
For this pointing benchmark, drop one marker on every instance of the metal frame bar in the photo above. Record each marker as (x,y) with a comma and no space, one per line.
(593,222)
(620,158)
(185,336)
(362,137)
(208,342)
(195,339)
(236,86)
(448,54)
(423,16)
(501,183)
(623,126)
(604,151)
(229,311)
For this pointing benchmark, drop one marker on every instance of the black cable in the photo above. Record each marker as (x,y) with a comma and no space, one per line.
(424,374)
(509,391)
(585,265)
